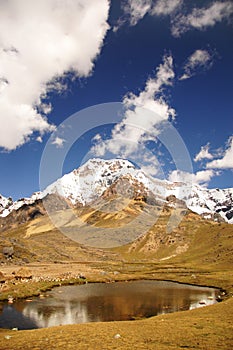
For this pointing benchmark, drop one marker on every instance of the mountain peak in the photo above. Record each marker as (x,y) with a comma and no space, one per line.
(91,179)
(112,163)
(88,182)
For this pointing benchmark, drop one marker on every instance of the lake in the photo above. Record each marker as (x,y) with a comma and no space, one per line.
(99,302)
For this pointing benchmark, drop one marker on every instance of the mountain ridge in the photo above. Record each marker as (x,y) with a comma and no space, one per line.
(90,181)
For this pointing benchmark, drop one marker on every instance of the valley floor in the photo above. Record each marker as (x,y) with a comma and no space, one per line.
(206,328)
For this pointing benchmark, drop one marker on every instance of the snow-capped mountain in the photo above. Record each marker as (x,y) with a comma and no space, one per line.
(88,182)
(91,180)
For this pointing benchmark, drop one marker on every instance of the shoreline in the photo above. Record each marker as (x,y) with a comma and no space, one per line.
(20,291)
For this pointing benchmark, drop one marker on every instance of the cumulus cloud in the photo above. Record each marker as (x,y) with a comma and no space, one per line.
(203,154)
(226,161)
(143,115)
(39,42)
(202,177)
(201,18)
(200,59)
(166,7)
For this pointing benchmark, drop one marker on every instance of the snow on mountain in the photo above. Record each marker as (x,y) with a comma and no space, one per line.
(90,180)
(209,201)
(5,203)
(7,209)
(87,183)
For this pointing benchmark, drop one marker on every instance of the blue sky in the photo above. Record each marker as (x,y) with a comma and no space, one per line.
(176,60)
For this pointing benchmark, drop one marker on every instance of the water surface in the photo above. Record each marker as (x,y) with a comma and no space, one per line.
(104,302)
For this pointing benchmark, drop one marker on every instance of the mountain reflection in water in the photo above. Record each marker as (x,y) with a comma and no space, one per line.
(104,302)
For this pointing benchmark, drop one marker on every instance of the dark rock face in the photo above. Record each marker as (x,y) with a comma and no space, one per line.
(126,187)
(178,203)
(130,188)
(29,212)
(8,252)
(54,202)
(229,215)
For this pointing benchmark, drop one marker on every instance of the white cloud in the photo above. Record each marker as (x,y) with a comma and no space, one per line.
(40,41)
(39,139)
(166,7)
(143,116)
(136,10)
(226,161)
(150,169)
(198,18)
(180,176)
(201,18)
(203,154)
(202,177)
(58,142)
(199,59)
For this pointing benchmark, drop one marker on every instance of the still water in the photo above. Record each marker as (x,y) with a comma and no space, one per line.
(104,302)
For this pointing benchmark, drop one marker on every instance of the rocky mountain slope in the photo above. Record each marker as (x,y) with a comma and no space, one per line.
(86,184)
